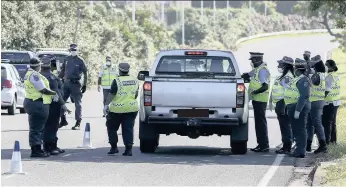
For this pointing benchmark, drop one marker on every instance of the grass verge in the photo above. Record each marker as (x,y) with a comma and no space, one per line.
(336,174)
(280,36)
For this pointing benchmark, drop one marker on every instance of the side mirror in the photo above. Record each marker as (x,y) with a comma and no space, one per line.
(142,74)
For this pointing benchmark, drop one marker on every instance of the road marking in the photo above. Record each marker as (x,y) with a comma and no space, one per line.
(9,176)
(66,155)
(270,173)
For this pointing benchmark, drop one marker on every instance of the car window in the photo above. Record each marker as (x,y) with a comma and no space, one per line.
(15,72)
(16,57)
(3,72)
(11,74)
(195,64)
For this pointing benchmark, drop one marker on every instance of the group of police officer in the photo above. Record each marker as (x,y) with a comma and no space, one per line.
(306,95)
(47,92)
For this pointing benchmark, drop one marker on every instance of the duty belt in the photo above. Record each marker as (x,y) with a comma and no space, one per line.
(73,80)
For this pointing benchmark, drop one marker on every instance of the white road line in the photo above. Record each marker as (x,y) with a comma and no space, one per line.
(270,173)
(9,176)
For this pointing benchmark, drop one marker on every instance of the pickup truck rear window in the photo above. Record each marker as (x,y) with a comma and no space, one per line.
(16,57)
(195,64)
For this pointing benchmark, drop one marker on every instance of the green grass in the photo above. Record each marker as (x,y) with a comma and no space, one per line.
(280,36)
(336,174)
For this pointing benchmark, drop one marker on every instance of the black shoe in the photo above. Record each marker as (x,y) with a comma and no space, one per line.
(322,148)
(286,149)
(260,149)
(57,148)
(50,148)
(63,121)
(308,146)
(113,150)
(296,155)
(77,125)
(253,149)
(37,152)
(128,151)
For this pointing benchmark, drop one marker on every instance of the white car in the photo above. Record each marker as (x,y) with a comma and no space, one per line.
(12,89)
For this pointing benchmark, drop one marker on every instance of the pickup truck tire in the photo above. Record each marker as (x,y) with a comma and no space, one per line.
(239,148)
(148,146)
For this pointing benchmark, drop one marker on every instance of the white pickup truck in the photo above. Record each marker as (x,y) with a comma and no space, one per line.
(193,93)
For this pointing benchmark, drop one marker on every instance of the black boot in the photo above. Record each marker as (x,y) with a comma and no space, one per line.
(53,149)
(322,148)
(308,146)
(128,150)
(77,125)
(260,149)
(57,148)
(113,150)
(286,149)
(37,152)
(63,121)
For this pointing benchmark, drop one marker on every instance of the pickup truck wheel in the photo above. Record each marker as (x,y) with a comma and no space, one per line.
(22,110)
(148,146)
(239,148)
(12,109)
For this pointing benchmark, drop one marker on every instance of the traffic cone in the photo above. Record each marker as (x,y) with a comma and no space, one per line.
(86,138)
(16,161)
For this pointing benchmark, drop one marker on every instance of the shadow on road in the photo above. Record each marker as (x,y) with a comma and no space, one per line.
(163,155)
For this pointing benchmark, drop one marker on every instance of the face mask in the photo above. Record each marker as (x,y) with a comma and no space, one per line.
(280,70)
(108,63)
(252,65)
(74,53)
(296,73)
(312,70)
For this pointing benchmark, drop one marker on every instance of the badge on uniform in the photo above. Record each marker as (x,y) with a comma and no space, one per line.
(288,79)
(36,77)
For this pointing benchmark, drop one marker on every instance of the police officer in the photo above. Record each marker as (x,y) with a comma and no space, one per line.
(298,106)
(332,102)
(50,138)
(106,77)
(38,96)
(317,103)
(259,93)
(71,71)
(283,80)
(121,108)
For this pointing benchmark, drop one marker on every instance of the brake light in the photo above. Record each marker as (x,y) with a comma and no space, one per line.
(196,53)
(240,95)
(7,84)
(147,88)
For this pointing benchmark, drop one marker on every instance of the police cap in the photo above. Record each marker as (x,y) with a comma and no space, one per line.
(286,60)
(34,62)
(255,54)
(46,61)
(307,53)
(73,47)
(108,58)
(124,67)
(300,64)
(315,60)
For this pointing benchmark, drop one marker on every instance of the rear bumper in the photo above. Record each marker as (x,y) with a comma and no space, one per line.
(182,126)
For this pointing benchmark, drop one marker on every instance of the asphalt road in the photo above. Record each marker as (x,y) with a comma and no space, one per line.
(178,160)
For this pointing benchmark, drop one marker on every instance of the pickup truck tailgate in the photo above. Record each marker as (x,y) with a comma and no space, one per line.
(202,94)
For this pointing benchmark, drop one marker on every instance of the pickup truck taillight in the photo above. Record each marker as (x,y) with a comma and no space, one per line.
(147,93)
(240,95)
(6,84)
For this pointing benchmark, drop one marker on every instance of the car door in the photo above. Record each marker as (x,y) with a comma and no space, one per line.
(19,84)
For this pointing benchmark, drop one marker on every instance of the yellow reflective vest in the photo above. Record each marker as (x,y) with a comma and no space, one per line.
(292,92)
(255,84)
(125,100)
(278,91)
(30,90)
(334,94)
(109,74)
(318,92)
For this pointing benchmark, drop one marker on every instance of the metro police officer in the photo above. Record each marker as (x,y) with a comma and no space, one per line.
(283,80)
(72,69)
(259,94)
(106,77)
(38,96)
(50,138)
(122,107)
(298,106)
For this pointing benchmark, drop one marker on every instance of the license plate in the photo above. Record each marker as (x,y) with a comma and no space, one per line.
(193,113)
